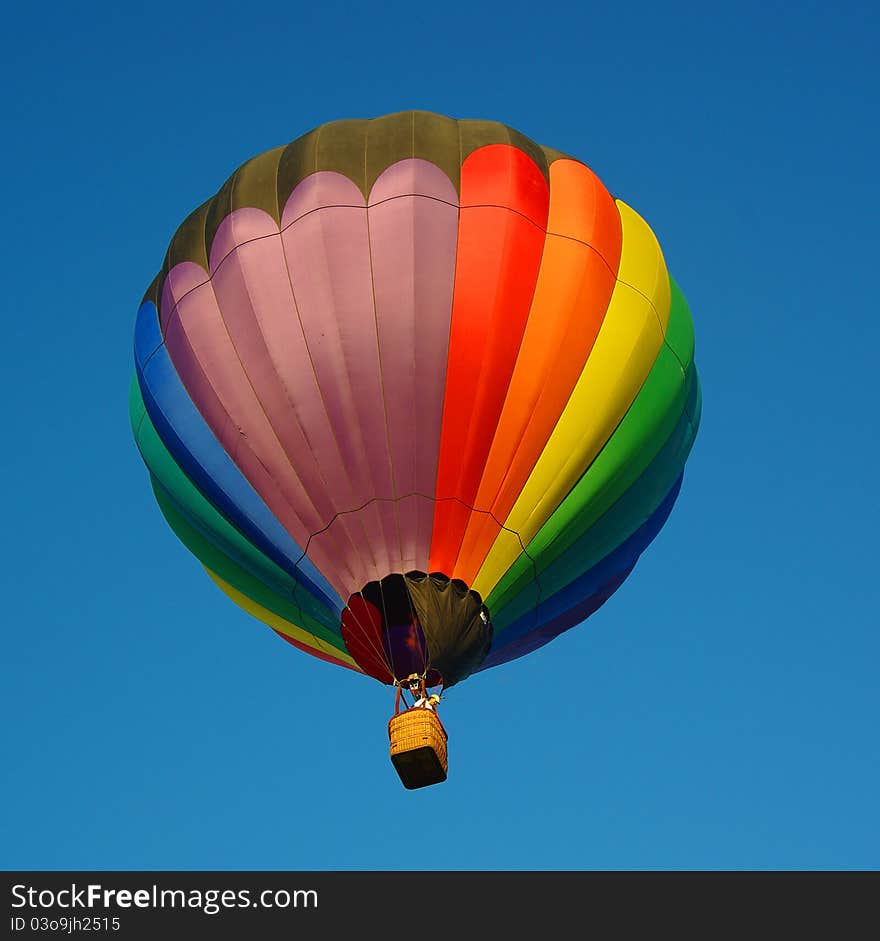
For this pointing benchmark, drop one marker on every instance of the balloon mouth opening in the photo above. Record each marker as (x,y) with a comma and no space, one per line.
(420,624)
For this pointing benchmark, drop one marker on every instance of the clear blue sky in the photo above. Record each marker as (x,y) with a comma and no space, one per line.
(726,705)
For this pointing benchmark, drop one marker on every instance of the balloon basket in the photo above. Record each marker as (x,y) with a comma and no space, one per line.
(418,747)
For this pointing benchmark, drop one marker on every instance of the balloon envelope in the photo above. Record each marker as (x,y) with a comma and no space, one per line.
(417,392)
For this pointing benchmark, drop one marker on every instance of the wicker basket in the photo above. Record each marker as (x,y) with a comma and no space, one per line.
(418,747)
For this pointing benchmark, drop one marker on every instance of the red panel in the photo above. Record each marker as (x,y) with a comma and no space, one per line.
(327,658)
(502,224)
(362,633)
(578,273)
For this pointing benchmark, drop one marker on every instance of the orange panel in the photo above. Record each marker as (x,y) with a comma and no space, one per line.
(575,282)
(504,207)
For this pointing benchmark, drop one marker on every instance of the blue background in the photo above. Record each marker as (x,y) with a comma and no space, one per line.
(720,712)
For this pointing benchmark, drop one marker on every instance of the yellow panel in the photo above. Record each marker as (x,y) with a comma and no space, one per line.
(280,624)
(625,349)
(641,263)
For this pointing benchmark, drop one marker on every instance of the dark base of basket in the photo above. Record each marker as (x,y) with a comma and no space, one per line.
(418,767)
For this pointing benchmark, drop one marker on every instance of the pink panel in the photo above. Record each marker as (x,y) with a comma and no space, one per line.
(413,219)
(203,354)
(251,282)
(317,355)
(328,258)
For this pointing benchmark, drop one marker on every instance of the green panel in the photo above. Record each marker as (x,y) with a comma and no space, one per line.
(340,147)
(551,155)
(419,134)
(253,184)
(136,407)
(298,160)
(437,138)
(647,425)
(242,581)
(387,140)
(680,329)
(201,514)
(188,242)
(476,134)
(556,570)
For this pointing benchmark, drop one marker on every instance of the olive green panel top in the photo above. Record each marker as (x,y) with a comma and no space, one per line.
(360,149)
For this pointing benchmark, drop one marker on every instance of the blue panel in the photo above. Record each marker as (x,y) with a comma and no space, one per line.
(147,334)
(594,585)
(550,629)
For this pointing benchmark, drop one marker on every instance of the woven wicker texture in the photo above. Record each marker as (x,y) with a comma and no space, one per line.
(418,747)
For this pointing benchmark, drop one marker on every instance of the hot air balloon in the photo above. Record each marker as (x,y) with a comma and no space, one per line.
(417,392)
